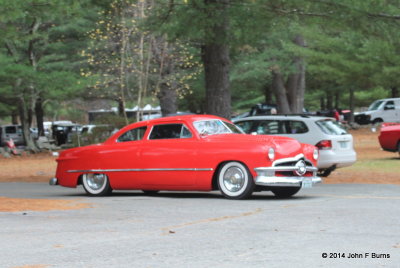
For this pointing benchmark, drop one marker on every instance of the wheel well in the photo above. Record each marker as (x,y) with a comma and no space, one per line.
(214,183)
(79,180)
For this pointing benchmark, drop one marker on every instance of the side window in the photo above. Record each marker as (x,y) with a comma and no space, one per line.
(170,131)
(246,126)
(132,134)
(296,127)
(271,127)
(389,105)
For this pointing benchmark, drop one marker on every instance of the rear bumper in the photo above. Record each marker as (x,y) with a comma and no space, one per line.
(330,158)
(266,177)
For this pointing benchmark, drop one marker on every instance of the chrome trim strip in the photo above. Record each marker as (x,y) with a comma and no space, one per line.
(290,159)
(140,169)
(283,168)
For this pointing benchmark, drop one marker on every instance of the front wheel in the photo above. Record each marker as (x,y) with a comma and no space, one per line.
(96,184)
(235,181)
(285,192)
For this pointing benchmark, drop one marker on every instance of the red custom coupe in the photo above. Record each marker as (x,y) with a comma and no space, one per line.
(189,153)
(389,137)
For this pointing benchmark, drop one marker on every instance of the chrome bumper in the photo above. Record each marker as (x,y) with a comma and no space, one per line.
(53,181)
(266,177)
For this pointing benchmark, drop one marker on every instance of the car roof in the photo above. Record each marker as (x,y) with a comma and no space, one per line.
(286,117)
(191,117)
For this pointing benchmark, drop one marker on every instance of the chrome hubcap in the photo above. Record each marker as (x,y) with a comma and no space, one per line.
(234,179)
(95,181)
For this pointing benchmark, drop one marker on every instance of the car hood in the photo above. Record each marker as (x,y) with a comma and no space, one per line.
(284,146)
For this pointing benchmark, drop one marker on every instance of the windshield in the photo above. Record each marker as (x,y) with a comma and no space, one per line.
(331,127)
(215,126)
(375,105)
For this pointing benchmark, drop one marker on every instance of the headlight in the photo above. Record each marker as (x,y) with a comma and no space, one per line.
(316,154)
(271,154)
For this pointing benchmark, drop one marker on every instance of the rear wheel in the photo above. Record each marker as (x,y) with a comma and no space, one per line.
(398,147)
(96,184)
(285,192)
(235,181)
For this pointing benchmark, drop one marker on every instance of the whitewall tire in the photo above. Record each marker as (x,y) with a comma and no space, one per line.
(235,181)
(96,184)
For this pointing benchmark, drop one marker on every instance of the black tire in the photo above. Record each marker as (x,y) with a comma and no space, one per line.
(235,181)
(324,172)
(96,184)
(398,147)
(285,192)
(377,121)
(150,192)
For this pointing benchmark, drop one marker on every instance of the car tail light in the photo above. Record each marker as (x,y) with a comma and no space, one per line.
(324,145)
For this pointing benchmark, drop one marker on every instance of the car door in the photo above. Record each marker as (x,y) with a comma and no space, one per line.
(169,157)
(389,112)
(122,160)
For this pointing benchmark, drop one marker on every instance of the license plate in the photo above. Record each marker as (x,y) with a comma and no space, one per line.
(307,183)
(343,144)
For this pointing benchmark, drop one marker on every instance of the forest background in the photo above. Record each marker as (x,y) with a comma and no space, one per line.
(61,58)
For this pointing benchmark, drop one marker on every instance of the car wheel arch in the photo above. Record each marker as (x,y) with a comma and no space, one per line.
(214,182)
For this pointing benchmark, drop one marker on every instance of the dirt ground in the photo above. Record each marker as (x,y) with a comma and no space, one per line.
(373,166)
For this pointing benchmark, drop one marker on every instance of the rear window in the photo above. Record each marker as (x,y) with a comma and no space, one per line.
(13,130)
(331,127)
(133,134)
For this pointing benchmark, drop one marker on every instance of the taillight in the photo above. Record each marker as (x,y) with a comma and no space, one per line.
(324,145)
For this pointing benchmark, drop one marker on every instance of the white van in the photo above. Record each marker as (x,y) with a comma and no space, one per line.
(13,132)
(384,110)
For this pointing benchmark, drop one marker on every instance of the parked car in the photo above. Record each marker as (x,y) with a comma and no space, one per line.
(13,132)
(335,144)
(189,153)
(389,137)
(384,110)
(62,131)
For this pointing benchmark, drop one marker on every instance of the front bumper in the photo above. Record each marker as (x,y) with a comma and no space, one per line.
(53,181)
(266,176)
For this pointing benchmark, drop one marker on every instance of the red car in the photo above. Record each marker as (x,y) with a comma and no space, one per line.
(389,137)
(189,153)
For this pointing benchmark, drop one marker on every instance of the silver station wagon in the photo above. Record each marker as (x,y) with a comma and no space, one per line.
(335,144)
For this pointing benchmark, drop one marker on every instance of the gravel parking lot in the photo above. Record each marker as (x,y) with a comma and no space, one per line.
(355,225)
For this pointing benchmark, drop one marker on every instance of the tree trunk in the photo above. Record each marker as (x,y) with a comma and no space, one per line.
(23,113)
(329,100)
(351,105)
(280,92)
(39,116)
(322,103)
(296,81)
(216,60)
(216,69)
(14,117)
(395,92)
(168,99)
(268,94)
(337,100)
